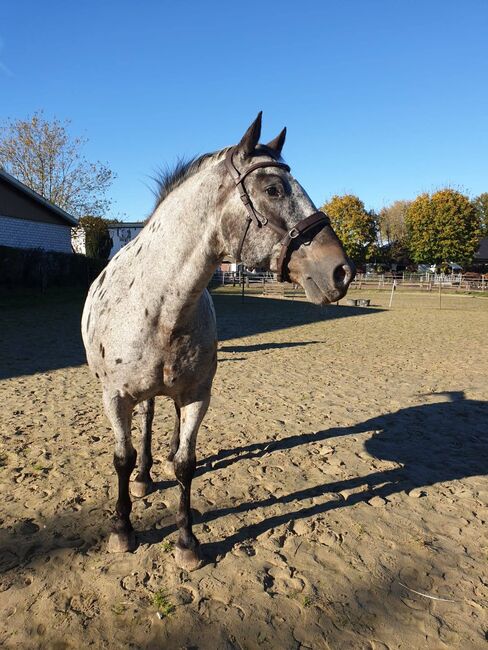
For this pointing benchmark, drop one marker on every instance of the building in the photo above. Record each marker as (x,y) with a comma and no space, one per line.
(27,220)
(122,233)
(481,255)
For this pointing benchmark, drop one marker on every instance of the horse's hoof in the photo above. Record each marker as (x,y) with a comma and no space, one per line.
(122,542)
(187,559)
(140,489)
(169,468)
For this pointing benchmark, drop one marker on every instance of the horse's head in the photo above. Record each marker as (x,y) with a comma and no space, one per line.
(271,221)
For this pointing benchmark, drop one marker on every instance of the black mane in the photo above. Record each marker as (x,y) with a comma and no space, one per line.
(169,178)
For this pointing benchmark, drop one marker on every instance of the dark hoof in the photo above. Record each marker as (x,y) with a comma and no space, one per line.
(140,489)
(122,542)
(187,559)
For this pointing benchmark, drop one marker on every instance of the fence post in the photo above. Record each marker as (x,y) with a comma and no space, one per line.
(391,295)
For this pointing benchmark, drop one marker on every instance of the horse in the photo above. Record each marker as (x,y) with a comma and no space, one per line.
(149,325)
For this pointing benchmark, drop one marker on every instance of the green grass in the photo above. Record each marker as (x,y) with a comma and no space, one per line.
(162,603)
(167,546)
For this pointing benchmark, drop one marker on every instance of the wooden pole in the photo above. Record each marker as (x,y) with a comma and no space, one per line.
(242,287)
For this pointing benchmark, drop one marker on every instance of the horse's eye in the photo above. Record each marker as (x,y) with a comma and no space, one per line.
(272,191)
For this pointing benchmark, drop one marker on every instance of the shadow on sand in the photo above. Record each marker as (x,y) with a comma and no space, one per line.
(42,333)
(432,443)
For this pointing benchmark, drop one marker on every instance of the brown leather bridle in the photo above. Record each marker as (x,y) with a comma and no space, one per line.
(316,221)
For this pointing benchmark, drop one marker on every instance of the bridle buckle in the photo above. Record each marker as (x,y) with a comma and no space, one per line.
(293,233)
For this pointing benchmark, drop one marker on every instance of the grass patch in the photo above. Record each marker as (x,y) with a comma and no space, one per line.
(308,601)
(167,546)
(162,603)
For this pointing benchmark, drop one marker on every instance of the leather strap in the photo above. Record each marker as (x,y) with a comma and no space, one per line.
(299,230)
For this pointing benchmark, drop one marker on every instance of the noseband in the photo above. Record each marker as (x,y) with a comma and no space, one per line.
(316,221)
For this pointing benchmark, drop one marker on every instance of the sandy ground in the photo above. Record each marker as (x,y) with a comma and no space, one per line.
(340,496)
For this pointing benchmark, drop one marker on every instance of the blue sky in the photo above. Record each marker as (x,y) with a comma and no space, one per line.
(382,98)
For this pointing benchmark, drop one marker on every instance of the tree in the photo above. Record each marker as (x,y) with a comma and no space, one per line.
(98,242)
(354,225)
(391,223)
(443,227)
(43,156)
(393,234)
(481,205)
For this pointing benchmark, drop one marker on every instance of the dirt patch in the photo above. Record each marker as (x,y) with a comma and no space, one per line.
(341,481)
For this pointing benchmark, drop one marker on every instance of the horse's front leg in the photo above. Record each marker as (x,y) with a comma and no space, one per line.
(119,412)
(187,548)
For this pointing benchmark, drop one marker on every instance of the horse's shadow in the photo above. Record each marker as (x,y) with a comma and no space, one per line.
(431,443)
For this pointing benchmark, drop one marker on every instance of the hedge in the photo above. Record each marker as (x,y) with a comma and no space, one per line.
(35,268)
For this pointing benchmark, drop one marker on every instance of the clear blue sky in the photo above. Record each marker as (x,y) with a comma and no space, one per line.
(382,98)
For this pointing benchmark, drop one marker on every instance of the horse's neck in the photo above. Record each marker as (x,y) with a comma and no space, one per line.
(180,249)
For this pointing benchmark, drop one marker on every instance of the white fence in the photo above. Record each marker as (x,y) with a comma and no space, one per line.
(414,281)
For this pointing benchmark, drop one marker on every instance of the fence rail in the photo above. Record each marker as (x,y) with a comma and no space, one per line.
(413,281)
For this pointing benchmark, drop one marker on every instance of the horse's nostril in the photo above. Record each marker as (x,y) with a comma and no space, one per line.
(342,275)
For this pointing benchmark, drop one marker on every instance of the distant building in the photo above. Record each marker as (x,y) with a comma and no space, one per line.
(481,255)
(27,220)
(122,234)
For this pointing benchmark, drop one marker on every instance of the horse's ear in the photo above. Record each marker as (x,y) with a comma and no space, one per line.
(251,137)
(278,142)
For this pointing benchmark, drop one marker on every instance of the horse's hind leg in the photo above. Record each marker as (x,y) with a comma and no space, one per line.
(143,483)
(175,441)
(187,552)
(119,412)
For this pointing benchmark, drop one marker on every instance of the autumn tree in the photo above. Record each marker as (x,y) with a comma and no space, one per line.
(98,242)
(393,233)
(42,155)
(443,227)
(481,205)
(391,222)
(354,225)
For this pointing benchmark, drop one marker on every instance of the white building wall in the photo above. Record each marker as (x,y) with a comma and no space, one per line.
(122,235)
(21,233)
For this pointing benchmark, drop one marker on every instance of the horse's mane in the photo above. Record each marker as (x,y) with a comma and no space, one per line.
(169,178)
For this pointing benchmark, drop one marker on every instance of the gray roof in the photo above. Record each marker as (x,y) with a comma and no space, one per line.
(37,197)
(127,224)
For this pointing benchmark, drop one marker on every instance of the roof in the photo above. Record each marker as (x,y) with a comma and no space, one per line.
(127,224)
(37,197)
(482,252)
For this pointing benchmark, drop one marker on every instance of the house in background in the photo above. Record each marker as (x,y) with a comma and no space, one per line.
(122,233)
(27,220)
(481,256)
